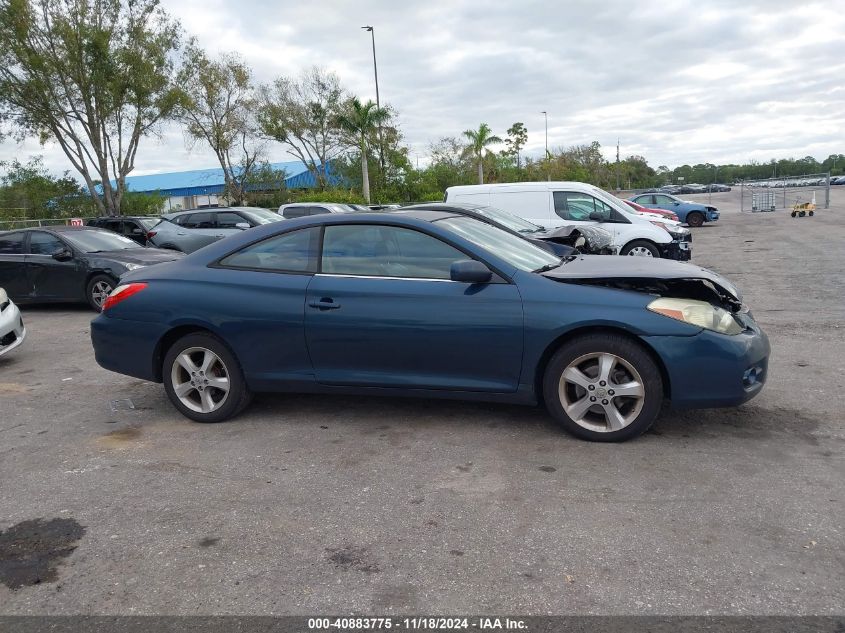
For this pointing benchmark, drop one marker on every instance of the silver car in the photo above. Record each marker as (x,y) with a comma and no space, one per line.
(12,331)
(303,209)
(188,231)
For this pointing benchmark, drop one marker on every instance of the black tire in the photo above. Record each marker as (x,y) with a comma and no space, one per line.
(97,289)
(810,213)
(801,214)
(238,396)
(631,353)
(695,218)
(794,214)
(640,244)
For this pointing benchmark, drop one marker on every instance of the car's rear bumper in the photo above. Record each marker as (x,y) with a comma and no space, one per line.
(126,347)
(12,330)
(714,370)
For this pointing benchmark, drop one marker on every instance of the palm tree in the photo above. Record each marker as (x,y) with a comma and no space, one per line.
(478,140)
(360,121)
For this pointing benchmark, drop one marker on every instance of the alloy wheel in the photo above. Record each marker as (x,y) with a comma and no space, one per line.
(200,380)
(100,291)
(640,251)
(601,392)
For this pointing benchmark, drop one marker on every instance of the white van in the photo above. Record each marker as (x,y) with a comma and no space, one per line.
(553,204)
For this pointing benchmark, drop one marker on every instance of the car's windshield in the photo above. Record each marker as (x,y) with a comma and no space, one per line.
(262,216)
(515,250)
(509,220)
(95,241)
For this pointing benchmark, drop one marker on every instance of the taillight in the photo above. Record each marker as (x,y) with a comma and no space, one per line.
(123,291)
(151,234)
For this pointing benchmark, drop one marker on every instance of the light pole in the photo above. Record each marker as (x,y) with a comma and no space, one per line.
(378,101)
(546,115)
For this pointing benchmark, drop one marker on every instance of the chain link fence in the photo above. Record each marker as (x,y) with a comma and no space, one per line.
(770,194)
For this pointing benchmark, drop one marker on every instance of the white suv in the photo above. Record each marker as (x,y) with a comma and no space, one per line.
(572,203)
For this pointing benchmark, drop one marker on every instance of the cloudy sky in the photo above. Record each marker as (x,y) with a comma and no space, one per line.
(677,81)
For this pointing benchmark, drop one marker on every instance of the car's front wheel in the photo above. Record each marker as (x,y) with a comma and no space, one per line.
(603,387)
(203,379)
(98,290)
(640,248)
(695,219)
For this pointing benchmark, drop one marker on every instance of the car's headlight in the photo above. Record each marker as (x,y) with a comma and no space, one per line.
(133,266)
(698,313)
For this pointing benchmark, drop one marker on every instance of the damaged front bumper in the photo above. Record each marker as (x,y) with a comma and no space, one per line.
(712,369)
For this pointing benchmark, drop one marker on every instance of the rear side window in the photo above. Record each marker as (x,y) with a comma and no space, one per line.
(199,221)
(318,210)
(294,252)
(294,212)
(11,244)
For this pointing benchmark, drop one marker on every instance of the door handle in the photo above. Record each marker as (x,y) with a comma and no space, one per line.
(324,304)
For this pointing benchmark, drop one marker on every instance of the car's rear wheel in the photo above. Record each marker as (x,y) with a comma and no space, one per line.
(695,219)
(603,387)
(203,379)
(640,248)
(98,289)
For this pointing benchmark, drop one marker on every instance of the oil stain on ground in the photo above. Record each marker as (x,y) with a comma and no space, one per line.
(350,557)
(30,551)
(120,438)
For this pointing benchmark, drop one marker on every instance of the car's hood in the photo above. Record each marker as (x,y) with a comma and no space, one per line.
(618,267)
(139,256)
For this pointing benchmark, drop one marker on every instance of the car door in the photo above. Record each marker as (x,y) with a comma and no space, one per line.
(384,312)
(50,278)
(13,266)
(197,230)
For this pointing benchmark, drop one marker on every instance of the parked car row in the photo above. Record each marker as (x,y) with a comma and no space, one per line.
(453,299)
(676,190)
(693,213)
(796,182)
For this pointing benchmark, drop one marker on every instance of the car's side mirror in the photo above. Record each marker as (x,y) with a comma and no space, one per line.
(470,271)
(62,255)
(676,203)
(597,216)
(243,226)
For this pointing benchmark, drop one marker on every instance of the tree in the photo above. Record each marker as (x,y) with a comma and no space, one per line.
(478,140)
(93,75)
(360,121)
(517,138)
(302,114)
(217,106)
(29,190)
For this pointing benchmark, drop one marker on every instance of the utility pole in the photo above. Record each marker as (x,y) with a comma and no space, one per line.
(546,115)
(378,102)
(617,164)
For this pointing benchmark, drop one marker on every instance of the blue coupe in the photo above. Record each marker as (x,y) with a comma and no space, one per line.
(432,304)
(692,213)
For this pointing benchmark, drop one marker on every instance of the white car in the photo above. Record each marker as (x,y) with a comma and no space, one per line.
(12,331)
(554,204)
(303,209)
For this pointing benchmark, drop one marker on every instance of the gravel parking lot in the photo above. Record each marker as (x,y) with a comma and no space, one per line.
(316,504)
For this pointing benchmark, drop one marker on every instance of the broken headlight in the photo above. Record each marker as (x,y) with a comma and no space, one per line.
(698,313)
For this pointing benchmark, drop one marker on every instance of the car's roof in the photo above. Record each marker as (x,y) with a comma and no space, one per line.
(59,228)
(174,214)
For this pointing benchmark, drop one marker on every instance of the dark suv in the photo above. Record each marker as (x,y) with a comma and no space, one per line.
(134,227)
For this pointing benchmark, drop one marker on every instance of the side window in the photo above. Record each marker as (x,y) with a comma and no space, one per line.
(663,200)
(11,244)
(199,221)
(183,220)
(386,251)
(318,210)
(41,243)
(229,220)
(293,212)
(605,209)
(289,252)
(114,225)
(571,205)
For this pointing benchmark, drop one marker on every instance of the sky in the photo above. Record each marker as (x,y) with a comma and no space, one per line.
(675,81)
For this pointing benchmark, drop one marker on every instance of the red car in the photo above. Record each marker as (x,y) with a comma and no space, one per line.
(641,209)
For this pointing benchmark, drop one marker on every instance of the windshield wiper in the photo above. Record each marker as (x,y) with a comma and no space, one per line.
(548,267)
